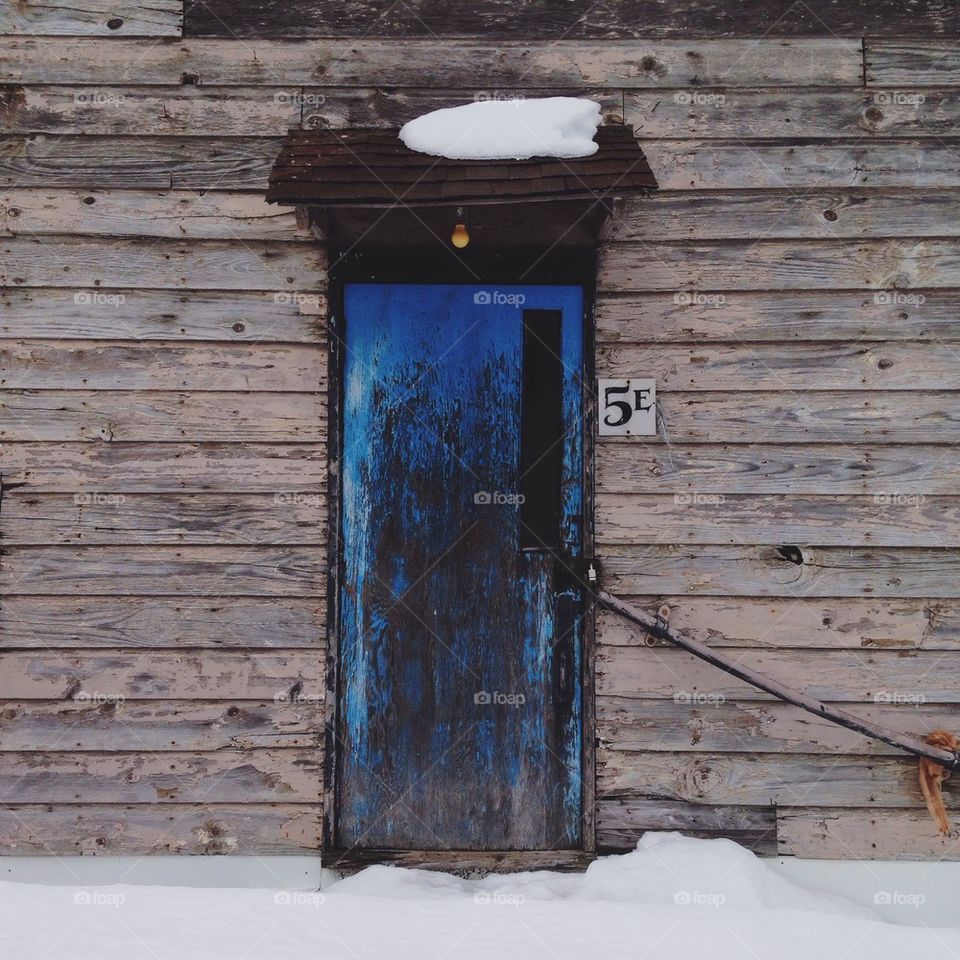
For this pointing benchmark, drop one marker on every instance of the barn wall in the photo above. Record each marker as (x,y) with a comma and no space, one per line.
(163,557)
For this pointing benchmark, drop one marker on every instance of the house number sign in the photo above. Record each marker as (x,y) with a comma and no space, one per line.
(628,408)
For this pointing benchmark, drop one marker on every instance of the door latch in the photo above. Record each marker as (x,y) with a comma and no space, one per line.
(576,573)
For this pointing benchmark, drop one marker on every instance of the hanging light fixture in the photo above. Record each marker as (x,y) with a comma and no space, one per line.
(460,236)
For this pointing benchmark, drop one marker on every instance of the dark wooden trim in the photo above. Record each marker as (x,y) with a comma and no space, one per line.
(546,19)
(493,861)
(589,637)
(435,264)
(534,225)
(334,559)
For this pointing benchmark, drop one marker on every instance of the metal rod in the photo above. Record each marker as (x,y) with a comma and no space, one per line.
(657,627)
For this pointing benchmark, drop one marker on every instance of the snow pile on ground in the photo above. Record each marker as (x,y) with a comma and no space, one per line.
(507,129)
(674,897)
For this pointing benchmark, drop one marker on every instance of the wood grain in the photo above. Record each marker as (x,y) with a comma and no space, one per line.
(145,467)
(259,776)
(786,571)
(108,677)
(883,520)
(896,677)
(100,517)
(174,315)
(164,571)
(870,834)
(621,823)
(164,417)
(785,215)
(713,165)
(785,780)
(55,624)
(146,829)
(903,470)
(508,67)
(774,265)
(837,365)
(228,111)
(811,417)
(545,20)
(787,315)
(808,114)
(179,214)
(160,725)
(151,111)
(211,264)
(93,18)
(910,63)
(805,624)
(90,162)
(739,726)
(158,365)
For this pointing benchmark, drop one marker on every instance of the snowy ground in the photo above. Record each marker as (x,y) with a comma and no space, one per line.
(673,898)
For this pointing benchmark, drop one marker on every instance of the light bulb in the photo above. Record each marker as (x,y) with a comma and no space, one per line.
(460,237)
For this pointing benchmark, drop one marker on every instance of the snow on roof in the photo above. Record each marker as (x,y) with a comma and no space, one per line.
(507,129)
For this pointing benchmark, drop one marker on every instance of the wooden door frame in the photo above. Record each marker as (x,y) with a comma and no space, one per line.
(434,265)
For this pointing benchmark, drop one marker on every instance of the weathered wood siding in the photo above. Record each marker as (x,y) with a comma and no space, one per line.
(162,443)
(793,287)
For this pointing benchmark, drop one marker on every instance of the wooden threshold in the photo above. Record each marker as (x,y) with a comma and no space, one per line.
(458,861)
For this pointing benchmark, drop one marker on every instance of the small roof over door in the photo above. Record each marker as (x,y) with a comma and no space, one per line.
(374,168)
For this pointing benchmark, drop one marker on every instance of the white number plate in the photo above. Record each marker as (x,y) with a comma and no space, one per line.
(628,408)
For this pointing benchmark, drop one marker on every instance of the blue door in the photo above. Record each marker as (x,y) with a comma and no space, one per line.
(460,624)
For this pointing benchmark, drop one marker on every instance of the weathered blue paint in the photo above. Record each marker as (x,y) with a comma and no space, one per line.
(438,605)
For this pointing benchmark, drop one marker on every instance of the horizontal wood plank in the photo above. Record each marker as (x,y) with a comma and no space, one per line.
(159,725)
(229,111)
(714,165)
(783,215)
(881,520)
(621,823)
(146,829)
(179,214)
(902,471)
(141,415)
(871,834)
(898,677)
(545,20)
(101,517)
(164,467)
(737,726)
(211,264)
(152,111)
(810,417)
(785,571)
(90,162)
(772,265)
(93,18)
(784,780)
(836,365)
(807,624)
(108,677)
(744,317)
(259,776)
(164,571)
(217,315)
(910,63)
(810,114)
(255,623)
(157,365)
(507,67)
